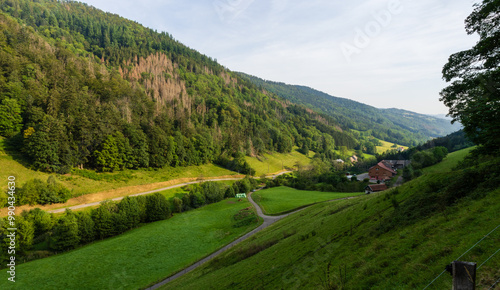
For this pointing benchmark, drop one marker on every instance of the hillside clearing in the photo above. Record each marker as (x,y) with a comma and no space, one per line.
(276,162)
(278,200)
(449,162)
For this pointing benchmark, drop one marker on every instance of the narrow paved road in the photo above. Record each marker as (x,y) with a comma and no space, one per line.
(152,191)
(268,220)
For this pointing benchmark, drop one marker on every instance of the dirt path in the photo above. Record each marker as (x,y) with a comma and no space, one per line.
(142,193)
(96,203)
(268,220)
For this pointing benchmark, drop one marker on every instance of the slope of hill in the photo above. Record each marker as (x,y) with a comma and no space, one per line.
(398,239)
(90,89)
(394,125)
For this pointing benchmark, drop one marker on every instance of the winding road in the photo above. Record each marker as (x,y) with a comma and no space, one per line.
(268,220)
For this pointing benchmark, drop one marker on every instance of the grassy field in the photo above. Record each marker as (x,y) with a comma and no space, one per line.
(449,162)
(138,257)
(347,240)
(387,146)
(268,163)
(282,199)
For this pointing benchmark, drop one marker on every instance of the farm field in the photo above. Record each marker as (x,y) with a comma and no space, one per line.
(272,163)
(281,199)
(139,257)
(386,146)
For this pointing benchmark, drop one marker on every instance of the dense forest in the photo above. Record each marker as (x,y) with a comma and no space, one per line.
(393,125)
(88,89)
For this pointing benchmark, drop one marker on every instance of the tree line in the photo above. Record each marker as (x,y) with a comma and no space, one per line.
(74,229)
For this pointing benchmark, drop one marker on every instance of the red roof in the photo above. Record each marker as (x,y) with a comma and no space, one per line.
(377,187)
(381,164)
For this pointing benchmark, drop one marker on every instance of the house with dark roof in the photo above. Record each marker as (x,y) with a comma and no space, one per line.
(397,164)
(375,188)
(382,171)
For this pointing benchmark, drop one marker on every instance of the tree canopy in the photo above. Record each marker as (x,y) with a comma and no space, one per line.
(473,97)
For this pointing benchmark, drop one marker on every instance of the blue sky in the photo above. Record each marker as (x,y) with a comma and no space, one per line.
(385,53)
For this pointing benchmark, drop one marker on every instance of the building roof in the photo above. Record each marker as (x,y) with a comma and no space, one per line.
(377,187)
(384,166)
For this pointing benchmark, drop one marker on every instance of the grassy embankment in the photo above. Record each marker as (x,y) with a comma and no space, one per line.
(282,199)
(386,146)
(449,162)
(138,257)
(390,240)
(272,163)
(82,182)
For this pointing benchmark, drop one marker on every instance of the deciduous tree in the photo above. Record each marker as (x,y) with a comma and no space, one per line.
(473,97)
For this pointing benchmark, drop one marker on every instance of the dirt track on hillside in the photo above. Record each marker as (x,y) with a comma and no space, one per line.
(94,199)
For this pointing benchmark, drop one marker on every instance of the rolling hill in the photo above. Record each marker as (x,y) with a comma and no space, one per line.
(394,125)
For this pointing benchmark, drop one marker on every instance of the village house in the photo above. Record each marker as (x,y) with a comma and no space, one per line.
(397,164)
(375,188)
(382,171)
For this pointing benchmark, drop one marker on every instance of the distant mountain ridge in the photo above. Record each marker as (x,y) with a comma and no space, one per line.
(394,125)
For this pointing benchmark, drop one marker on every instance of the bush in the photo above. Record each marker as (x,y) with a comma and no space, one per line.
(177,204)
(157,207)
(131,211)
(42,220)
(86,230)
(229,192)
(197,199)
(36,191)
(103,222)
(65,233)
(213,191)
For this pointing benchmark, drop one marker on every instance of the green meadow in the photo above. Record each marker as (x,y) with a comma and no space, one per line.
(138,257)
(272,163)
(277,200)
(449,162)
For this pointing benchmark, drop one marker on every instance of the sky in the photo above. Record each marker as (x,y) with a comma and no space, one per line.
(384,53)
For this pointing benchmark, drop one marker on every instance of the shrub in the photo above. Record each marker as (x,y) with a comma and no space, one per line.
(157,207)
(86,225)
(36,191)
(65,233)
(42,220)
(177,204)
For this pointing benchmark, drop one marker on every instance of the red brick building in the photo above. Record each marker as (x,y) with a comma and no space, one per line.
(381,171)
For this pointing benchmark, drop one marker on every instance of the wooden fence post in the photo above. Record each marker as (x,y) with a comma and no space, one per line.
(464,275)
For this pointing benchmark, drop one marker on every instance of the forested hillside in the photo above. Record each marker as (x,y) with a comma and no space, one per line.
(394,125)
(88,89)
